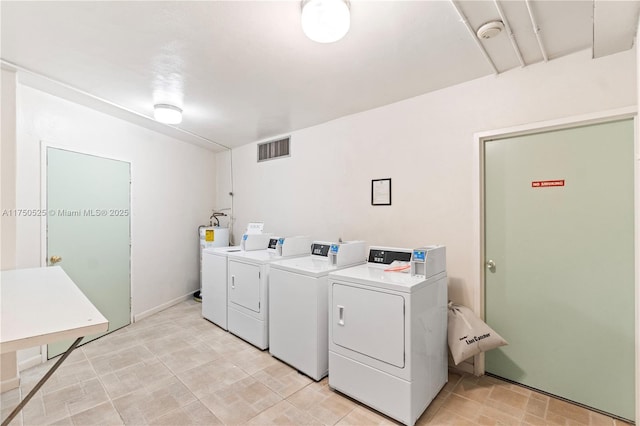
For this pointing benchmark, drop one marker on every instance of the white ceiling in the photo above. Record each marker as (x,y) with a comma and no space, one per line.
(243,70)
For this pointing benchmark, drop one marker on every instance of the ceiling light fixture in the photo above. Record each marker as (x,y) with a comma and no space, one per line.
(325,21)
(168,114)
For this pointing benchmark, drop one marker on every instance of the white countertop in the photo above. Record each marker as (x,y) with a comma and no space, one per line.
(43,305)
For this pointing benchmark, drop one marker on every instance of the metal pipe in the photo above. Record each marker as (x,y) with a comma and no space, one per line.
(37,387)
(536,30)
(507,27)
(473,35)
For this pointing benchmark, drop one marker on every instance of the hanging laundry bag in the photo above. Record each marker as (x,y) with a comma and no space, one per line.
(468,335)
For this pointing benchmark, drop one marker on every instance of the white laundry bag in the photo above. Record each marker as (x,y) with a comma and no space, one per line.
(468,335)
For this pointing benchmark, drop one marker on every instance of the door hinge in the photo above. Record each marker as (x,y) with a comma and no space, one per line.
(259,274)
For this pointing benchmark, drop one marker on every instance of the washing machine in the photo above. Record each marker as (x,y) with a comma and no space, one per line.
(388,331)
(214,284)
(298,304)
(248,286)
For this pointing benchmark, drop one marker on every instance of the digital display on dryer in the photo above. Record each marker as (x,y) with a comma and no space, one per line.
(273,242)
(386,256)
(320,249)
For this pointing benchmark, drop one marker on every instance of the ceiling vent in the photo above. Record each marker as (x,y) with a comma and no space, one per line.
(274,149)
(490,30)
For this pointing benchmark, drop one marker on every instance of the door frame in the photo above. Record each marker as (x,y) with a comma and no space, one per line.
(44,145)
(479,204)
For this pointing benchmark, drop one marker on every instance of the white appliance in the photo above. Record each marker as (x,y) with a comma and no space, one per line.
(388,331)
(214,284)
(298,304)
(213,270)
(211,236)
(248,286)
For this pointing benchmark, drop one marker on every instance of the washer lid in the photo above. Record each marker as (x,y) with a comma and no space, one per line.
(375,276)
(221,251)
(259,256)
(314,266)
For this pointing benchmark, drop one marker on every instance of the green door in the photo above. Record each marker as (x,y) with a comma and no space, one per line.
(559,211)
(88,228)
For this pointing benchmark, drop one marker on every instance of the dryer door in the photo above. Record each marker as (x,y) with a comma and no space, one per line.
(369,322)
(244,285)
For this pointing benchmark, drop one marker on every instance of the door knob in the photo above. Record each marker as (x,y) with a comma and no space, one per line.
(55,259)
(491,265)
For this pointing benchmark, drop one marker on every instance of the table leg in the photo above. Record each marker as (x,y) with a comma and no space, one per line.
(37,387)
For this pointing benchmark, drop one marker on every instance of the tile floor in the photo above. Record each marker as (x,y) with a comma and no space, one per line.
(174,368)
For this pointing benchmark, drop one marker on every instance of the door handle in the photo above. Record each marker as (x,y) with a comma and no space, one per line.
(233,282)
(55,259)
(491,265)
(340,315)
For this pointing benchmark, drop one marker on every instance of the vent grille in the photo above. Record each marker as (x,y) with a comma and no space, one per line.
(273,149)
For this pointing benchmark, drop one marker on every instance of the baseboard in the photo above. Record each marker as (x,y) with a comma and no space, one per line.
(162,307)
(464,367)
(7,385)
(30,362)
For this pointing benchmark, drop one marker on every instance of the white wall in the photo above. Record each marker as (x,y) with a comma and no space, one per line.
(426,145)
(8,361)
(637,224)
(8,169)
(172,192)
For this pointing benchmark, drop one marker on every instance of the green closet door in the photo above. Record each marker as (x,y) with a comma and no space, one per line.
(88,227)
(559,212)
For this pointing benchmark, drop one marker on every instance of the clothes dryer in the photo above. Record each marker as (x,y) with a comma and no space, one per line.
(248,286)
(388,331)
(298,329)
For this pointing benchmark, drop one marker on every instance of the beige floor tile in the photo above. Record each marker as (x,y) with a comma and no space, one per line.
(8,401)
(449,417)
(501,416)
(114,361)
(153,371)
(103,414)
(282,379)
(63,422)
(306,397)
(37,413)
(363,416)
(227,345)
(129,379)
(509,397)
(332,408)
(152,402)
(463,407)
(193,414)
(211,377)
(569,411)
(190,355)
(283,413)
(469,388)
(536,406)
(509,410)
(240,401)
(597,419)
(78,397)
(531,420)
(252,360)
(432,408)
(69,373)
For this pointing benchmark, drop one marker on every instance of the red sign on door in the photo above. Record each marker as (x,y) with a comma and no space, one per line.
(547,183)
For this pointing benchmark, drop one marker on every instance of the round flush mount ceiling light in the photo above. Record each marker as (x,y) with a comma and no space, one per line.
(168,114)
(490,29)
(325,21)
